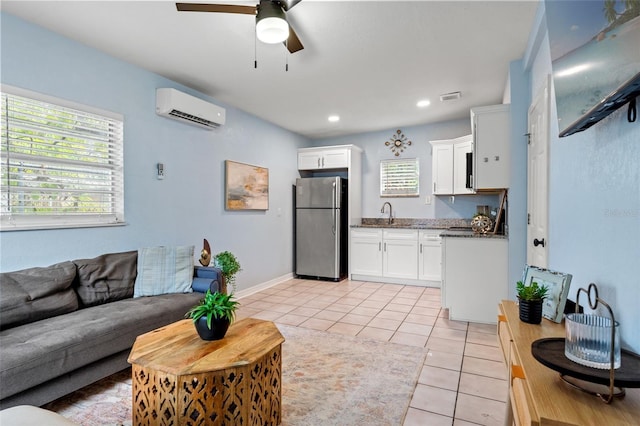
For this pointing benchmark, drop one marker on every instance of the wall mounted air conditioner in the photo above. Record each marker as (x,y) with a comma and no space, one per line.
(180,106)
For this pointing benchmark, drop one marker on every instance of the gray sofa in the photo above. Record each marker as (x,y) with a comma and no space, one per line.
(68,325)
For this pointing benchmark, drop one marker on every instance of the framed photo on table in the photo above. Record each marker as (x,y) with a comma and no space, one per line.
(558,284)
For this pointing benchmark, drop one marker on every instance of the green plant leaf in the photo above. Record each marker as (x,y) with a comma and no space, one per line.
(532,291)
(214,305)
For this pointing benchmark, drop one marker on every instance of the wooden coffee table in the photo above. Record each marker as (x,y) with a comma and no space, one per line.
(179,379)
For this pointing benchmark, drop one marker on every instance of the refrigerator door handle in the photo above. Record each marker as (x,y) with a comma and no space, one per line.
(333,210)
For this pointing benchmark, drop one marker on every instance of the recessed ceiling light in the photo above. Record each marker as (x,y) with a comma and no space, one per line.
(423,103)
(334,118)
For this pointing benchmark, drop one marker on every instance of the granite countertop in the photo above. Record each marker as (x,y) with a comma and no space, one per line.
(470,234)
(459,228)
(401,223)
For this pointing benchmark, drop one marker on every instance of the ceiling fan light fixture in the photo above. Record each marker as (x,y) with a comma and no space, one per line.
(271,24)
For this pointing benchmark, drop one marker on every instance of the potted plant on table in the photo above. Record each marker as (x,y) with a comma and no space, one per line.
(229,266)
(213,315)
(530,298)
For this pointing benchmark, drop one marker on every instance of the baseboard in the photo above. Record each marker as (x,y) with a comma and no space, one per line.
(402,281)
(263,286)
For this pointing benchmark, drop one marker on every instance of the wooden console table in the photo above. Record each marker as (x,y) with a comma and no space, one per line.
(537,395)
(179,379)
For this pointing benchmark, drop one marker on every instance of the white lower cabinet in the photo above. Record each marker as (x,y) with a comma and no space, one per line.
(400,253)
(429,255)
(366,251)
(396,255)
(475,277)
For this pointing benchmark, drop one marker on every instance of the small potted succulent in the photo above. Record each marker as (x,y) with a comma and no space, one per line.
(530,298)
(229,266)
(213,315)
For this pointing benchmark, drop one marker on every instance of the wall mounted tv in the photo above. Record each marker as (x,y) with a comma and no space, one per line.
(595,54)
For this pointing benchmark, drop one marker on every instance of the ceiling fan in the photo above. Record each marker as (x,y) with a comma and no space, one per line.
(271,22)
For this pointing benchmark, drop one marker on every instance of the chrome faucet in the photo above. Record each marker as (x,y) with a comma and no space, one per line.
(390,211)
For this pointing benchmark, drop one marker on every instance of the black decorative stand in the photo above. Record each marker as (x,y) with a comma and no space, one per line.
(551,353)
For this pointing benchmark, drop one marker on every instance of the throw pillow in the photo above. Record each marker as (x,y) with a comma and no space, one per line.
(163,270)
(106,278)
(33,294)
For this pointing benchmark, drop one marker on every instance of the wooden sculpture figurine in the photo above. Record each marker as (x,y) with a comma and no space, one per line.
(205,254)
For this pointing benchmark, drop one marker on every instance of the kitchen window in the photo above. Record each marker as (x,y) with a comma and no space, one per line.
(400,178)
(61,163)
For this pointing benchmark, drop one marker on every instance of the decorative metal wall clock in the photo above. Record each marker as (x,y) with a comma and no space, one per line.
(398,142)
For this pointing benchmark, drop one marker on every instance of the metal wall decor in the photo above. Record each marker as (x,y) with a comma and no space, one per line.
(398,142)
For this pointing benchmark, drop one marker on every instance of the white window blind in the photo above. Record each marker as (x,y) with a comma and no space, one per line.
(400,178)
(62,163)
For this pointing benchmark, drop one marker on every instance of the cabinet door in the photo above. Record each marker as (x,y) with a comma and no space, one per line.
(309,160)
(442,168)
(491,146)
(366,252)
(400,254)
(476,281)
(335,158)
(430,257)
(460,166)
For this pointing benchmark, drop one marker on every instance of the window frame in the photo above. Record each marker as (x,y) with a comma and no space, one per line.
(112,165)
(407,169)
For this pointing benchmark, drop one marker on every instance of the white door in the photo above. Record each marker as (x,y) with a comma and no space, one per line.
(538,180)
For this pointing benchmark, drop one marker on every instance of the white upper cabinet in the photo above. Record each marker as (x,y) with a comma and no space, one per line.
(442,170)
(463,165)
(451,168)
(491,131)
(323,158)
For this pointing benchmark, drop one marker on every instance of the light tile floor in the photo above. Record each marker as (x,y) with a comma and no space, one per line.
(463,380)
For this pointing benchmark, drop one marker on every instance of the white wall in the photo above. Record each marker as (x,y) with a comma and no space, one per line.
(185,207)
(594,207)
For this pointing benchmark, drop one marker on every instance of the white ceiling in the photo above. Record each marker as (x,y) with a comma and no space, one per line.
(367,61)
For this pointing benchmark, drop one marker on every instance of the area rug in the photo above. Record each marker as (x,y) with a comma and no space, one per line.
(326,379)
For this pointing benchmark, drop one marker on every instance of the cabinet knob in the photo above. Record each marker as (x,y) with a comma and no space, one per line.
(485,160)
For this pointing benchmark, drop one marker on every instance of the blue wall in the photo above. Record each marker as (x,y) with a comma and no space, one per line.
(594,207)
(373,145)
(185,207)
(517,218)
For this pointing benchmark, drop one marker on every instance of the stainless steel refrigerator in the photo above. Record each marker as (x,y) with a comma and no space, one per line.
(321,227)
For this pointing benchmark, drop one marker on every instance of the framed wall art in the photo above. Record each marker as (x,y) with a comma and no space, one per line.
(558,283)
(246,187)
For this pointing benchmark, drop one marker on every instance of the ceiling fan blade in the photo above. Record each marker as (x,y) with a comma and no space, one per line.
(293,43)
(223,8)
(288,4)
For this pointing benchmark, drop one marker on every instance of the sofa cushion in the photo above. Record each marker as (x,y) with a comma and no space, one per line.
(32,294)
(163,270)
(106,278)
(35,353)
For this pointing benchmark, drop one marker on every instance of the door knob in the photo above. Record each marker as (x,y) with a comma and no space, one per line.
(537,242)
